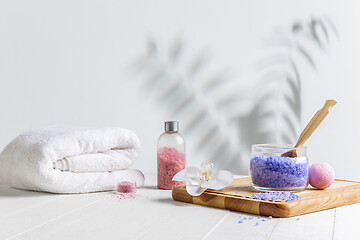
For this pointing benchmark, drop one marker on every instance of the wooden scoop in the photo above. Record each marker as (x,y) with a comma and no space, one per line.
(311,127)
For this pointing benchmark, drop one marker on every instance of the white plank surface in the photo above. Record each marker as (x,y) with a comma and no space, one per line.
(152,214)
(40,210)
(230,228)
(347,223)
(318,225)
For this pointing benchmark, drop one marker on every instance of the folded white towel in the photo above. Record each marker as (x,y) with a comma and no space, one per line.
(71,160)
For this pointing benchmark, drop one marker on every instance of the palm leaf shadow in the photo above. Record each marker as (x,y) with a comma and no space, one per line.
(213,121)
(316,31)
(176,89)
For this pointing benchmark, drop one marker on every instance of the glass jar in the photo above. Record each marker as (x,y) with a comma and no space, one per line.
(170,156)
(269,171)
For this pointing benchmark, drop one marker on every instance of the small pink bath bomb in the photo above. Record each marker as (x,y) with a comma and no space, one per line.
(126,187)
(321,175)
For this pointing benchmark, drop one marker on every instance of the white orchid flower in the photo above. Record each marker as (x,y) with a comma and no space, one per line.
(198,180)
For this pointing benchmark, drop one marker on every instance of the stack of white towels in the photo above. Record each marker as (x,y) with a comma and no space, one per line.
(71,160)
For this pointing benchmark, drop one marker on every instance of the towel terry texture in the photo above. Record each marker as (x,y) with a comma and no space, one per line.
(71,160)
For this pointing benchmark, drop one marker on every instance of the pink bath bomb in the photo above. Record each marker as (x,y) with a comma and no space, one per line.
(126,187)
(321,175)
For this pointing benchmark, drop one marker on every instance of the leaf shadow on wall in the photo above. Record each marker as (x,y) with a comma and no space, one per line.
(220,119)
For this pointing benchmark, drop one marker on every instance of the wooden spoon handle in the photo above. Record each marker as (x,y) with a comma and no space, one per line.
(315,122)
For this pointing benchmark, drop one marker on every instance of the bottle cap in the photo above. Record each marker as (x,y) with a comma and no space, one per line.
(171,126)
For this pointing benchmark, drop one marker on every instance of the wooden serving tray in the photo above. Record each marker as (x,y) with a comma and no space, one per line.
(236,197)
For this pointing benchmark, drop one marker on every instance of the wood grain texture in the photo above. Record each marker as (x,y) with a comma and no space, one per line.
(236,197)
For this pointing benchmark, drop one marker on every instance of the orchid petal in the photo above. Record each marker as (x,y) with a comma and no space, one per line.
(206,167)
(195,190)
(221,179)
(191,175)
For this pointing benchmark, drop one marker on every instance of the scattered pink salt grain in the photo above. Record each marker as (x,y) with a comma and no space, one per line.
(126,187)
(122,196)
(170,162)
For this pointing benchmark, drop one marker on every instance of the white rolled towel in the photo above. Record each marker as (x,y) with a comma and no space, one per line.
(71,160)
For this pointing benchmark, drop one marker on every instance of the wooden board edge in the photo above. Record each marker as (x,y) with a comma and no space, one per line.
(344,180)
(305,206)
(180,194)
(218,201)
(277,209)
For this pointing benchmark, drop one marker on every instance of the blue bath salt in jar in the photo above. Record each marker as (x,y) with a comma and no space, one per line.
(269,171)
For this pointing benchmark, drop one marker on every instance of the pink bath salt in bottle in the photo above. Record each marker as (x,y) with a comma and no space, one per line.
(170,156)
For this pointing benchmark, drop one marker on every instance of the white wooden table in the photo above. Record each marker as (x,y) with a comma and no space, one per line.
(154,215)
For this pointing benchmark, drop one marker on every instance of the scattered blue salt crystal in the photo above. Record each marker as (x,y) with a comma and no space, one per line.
(273,196)
(297,219)
(278,172)
(252,217)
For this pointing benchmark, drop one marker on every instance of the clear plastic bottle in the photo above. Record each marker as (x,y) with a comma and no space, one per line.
(170,156)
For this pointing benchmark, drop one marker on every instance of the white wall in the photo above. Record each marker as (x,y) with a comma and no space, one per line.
(71,62)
